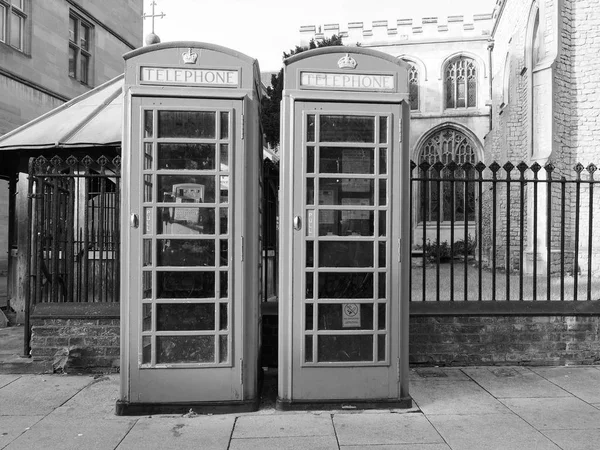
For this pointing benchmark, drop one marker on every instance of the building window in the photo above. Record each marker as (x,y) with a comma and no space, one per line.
(461,83)
(413,87)
(80,56)
(13,18)
(447,200)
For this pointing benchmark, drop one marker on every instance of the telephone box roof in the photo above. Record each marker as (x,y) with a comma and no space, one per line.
(93,119)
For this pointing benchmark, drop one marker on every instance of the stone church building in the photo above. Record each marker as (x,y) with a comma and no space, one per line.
(517,84)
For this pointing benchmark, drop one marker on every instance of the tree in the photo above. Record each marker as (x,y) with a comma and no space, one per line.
(271,103)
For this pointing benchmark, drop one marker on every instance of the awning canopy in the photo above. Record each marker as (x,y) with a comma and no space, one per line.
(93,119)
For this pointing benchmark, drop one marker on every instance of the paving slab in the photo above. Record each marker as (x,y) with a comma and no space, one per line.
(161,432)
(397,447)
(39,394)
(7,379)
(583,382)
(97,399)
(454,398)
(11,427)
(434,374)
(57,431)
(287,443)
(497,432)
(555,413)
(575,439)
(519,382)
(385,429)
(284,425)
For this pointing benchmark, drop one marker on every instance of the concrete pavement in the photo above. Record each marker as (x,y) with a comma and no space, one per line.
(455,408)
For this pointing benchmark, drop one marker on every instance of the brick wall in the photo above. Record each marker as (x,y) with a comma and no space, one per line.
(77,336)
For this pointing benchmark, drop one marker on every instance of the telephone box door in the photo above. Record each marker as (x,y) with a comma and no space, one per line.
(346,334)
(186,311)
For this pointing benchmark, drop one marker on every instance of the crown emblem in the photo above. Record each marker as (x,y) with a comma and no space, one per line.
(347,62)
(189,57)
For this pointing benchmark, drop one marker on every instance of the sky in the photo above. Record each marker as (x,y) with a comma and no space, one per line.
(264,29)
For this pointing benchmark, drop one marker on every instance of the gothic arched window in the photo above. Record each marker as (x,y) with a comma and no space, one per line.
(460,83)
(413,87)
(447,200)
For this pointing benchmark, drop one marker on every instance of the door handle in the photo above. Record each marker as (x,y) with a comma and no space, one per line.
(297,223)
(135,221)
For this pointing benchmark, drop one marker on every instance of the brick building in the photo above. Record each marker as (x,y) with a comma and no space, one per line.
(50,52)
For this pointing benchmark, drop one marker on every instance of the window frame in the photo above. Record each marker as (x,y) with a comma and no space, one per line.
(456,83)
(21,11)
(81,48)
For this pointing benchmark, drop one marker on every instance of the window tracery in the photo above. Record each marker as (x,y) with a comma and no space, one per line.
(461,83)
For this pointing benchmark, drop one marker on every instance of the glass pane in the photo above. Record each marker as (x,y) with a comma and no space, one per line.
(308,349)
(310,159)
(180,220)
(382,285)
(185,284)
(16,31)
(382,223)
(223,214)
(224,246)
(185,252)
(85,67)
(345,285)
(344,348)
(185,317)
(185,349)
(345,254)
(310,191)
(383,128)
(310,128)
(382,254)
(147,317)
(190,124)
(382,192)
(338,316)
(148,188)
(147,252)
(381,347)
(85,37)
(308,320)
(346,160)
(223,321)
(310,248)
(224,134)
(146,284)
(72,61)
(382,161)
(224,285)
(342,128)
(381,322)
(147,221)
(148,153)
(18,3)
(223,349)
(186,156)
(72,29)
(186,188)
(346,222)
(224,152)
(146,349)
(346,191)
(309,285)
(224,189)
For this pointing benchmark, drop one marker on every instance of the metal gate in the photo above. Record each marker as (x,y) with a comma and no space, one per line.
(73,214)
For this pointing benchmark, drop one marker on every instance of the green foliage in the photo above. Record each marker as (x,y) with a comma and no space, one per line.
(444,252)
(271,102)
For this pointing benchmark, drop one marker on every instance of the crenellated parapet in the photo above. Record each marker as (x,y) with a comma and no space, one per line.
(427,28)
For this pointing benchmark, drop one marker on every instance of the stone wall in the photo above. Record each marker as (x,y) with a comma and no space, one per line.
(77,337)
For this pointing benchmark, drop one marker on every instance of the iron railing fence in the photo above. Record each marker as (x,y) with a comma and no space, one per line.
(74,229)
(509,233)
